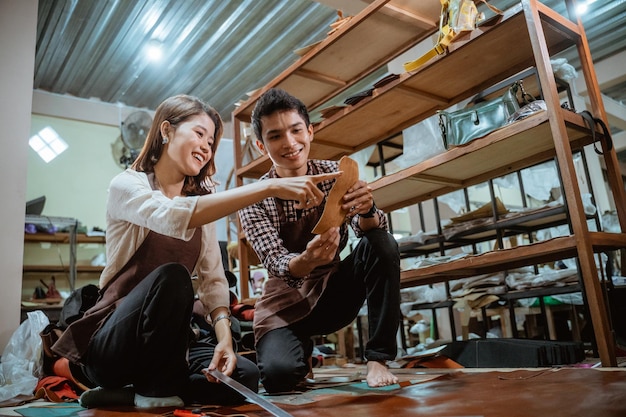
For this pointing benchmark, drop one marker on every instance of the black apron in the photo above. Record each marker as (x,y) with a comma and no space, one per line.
(154,251)
(281,305)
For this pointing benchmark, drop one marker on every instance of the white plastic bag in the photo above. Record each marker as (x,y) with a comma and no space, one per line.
(22,358)
(563,70)
(420,142)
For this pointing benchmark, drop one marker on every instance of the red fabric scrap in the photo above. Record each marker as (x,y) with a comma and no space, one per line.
(56,389)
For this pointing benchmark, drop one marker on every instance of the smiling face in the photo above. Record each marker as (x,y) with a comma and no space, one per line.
(189,146)
(287,142)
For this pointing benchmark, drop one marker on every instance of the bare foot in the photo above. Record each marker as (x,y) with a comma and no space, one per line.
(310,377)
(379,376)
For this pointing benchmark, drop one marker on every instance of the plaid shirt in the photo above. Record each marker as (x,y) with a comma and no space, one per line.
(261,224)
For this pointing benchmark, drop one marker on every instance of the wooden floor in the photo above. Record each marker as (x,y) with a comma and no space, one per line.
(550,392)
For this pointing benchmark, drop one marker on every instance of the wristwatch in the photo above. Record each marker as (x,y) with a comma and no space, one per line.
(370,213)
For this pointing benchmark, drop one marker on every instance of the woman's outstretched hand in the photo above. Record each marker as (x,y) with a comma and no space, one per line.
(303,189)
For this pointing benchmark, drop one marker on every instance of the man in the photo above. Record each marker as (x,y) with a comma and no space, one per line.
(310,291)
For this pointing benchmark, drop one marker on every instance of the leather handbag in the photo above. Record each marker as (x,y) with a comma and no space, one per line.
(479,119)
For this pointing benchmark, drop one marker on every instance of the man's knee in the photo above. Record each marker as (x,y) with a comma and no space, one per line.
(280,374)
(383,243)
(248,373)
(173,278)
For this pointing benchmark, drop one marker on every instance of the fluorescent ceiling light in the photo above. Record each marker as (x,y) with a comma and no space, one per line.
(48,144)
(154,50)
(582,7)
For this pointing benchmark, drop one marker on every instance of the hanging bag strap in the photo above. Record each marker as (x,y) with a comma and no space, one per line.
(447,33)
(492,8)
(591,123)
(445,37)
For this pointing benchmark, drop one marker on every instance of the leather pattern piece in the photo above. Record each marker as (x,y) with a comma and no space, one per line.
(352,100)
(333,215)
(386,80)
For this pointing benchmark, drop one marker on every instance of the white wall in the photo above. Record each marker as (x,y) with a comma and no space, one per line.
(75,183)
(18,27)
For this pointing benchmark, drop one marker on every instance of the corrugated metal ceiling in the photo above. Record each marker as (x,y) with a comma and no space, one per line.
(215,49)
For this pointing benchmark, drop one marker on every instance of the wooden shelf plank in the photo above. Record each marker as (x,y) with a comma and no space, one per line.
(59,268)
(58,222)
(506,150)
(62,238)
(509,226)
(536,253)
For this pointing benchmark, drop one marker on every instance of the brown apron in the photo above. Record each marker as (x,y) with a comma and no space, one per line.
(154,251)
(281,305)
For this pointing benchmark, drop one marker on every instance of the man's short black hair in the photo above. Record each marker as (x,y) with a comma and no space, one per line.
(276,100)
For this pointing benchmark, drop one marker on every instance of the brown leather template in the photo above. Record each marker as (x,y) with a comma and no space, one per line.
(334,215)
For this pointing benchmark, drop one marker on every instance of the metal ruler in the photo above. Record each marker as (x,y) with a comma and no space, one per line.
(250,395)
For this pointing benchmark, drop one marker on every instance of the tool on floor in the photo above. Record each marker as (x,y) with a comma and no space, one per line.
(199,413)
(250,395)
(186,413)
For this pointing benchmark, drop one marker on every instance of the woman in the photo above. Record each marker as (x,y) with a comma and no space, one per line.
(134,343)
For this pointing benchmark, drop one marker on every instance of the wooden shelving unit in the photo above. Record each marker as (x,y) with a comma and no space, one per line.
(509,149)
(70,238)
(381,32)
(386,28)
(521,223)
(535,253)
(526,36)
